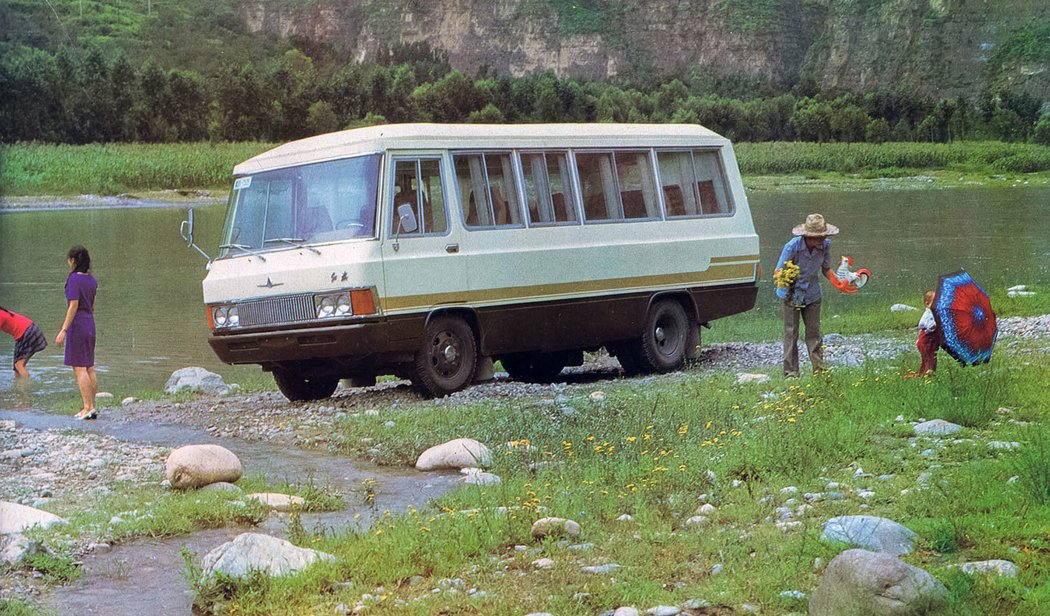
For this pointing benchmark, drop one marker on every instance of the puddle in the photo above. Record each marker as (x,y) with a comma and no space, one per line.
(144,576)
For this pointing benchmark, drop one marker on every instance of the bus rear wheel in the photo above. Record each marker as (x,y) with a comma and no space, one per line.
(299,387)
(448,357)
(662,346)
(534,367)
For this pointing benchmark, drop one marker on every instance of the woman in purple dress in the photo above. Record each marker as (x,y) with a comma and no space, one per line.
(78,329)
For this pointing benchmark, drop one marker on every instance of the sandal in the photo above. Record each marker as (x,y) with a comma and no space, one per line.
(92,414)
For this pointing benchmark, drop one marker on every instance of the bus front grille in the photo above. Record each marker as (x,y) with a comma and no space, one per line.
(288,309)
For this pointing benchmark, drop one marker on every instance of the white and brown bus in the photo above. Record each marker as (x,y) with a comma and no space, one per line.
(428,250)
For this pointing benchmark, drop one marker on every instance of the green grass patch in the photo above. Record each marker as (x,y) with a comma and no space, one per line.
(783,158)
(651,449)
(110,169)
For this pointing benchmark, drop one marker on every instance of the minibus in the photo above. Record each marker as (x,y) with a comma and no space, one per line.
(428,251)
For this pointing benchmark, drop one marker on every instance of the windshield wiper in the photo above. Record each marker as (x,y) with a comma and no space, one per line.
(247,249)
(294,241)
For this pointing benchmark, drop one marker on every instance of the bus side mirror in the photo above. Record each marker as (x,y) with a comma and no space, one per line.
(406,218)
(186,231)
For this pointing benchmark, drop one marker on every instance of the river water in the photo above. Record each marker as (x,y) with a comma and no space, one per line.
(151,320)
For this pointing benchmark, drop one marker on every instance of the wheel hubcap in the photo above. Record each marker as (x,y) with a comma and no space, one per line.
(444,354)
(666,336)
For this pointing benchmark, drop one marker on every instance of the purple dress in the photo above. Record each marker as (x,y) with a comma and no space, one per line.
(80,336)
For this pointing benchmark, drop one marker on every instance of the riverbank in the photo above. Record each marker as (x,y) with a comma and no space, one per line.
(65,171)
(652,448)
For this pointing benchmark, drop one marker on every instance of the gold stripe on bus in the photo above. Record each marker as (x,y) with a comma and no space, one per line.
(748,258)
(715,273)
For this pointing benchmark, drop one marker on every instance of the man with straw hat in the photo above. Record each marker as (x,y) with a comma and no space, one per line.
(810,251)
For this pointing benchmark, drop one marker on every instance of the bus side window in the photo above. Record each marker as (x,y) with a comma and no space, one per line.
(714,198)
(486,189)
(681,194)
(547,180)
(418,184)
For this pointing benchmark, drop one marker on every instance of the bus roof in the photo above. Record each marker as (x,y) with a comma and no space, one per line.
(373,139)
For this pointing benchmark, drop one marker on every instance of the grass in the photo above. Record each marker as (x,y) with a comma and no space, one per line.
(651,449)
(111,169)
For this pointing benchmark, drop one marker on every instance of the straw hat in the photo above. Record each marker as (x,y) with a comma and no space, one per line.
(815,227)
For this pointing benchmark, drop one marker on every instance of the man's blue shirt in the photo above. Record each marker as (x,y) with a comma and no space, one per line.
(811,267)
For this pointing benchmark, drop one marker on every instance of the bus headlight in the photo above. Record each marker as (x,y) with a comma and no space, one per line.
(343,306)
(355,302)
(326,307)
(221,316)
(232,318)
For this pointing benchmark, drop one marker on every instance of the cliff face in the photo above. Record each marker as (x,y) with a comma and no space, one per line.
(939,47)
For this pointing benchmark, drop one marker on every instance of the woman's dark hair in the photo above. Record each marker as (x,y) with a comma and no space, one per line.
(81,258)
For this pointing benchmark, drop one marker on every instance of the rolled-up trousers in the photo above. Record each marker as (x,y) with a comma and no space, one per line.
(810,316)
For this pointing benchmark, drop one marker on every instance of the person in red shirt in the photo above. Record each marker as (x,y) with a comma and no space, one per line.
(29,340)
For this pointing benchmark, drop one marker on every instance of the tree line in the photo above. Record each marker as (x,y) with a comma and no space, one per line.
(77,95)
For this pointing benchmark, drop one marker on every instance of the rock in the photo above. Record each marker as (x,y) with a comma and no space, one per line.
(601,569)
(543,563)
(481,478)
(198,380)
(15,547)
(193,466)
(1020,293)
(863,583)
(455,454)
(798,595)
(706,508)
(555,527)
(901,308)
(747,377)
(597,396)
(664,610)
(1018,287)
(15,518)
(696,520)
(128,401)
(869,532)
(937,427)
(625,518)
(1003,568)
(221,486)
(1004,445)
(626,611)
(279,502)
(103,395)
(258,552)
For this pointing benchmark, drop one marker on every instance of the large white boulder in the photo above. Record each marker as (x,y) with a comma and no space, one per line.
(937,427)
(455,454)
(194,466)
(15,547)
(15,518)
(863,583)
(257,552)
(198,380)
(869,532)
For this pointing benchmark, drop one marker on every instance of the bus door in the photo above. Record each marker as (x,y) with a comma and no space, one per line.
(422,264)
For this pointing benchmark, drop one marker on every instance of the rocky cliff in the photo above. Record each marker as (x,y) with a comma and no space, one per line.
(940,47)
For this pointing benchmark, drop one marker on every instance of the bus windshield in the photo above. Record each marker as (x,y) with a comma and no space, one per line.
(309,204)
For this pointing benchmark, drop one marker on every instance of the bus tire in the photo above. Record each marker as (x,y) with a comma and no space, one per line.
(447,358)
(299,387)
(534,367)
(663,342)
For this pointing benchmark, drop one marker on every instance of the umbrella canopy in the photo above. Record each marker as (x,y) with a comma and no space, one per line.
(964,315)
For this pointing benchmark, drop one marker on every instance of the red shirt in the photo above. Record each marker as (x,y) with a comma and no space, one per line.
(13,324)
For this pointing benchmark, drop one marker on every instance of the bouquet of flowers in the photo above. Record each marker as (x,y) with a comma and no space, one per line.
(785,278)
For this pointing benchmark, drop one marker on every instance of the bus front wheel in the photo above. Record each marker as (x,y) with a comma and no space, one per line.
(299,387)
(663,343)
(448,357)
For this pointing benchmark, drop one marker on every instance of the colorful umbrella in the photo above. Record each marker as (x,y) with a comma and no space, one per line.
(964,315)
